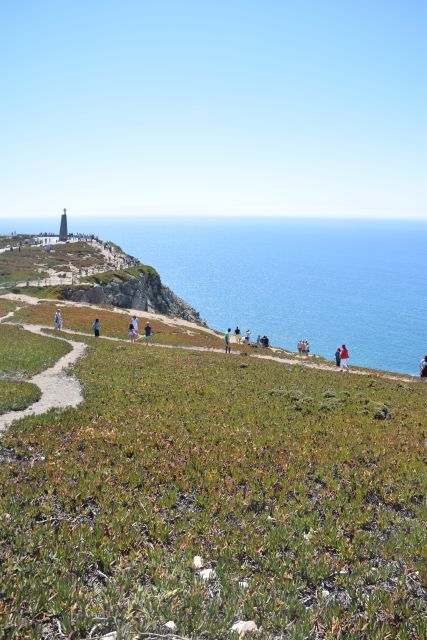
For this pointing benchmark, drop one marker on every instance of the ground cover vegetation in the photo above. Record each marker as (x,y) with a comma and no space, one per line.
(120,274)
(6,241)
(302,491)
(116,325)
(32,262)
(15,396)
(23,354)
(6,306)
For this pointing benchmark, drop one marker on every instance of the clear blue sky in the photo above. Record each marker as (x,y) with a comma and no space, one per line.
(214,107)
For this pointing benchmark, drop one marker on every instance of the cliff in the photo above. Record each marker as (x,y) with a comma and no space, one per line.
(139,287)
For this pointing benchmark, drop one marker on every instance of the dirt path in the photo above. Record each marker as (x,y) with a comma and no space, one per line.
(58,389)
(279,360)
(168,320)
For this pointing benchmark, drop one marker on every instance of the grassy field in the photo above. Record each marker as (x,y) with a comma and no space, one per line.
(6,306)
(24,354)
(32,262)
(121,274)
(301,489)
(116,325)
(17,395)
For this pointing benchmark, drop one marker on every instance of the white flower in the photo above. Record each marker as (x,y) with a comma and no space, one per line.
(197,562)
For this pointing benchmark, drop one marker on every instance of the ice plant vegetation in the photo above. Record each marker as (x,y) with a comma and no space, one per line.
(305,509)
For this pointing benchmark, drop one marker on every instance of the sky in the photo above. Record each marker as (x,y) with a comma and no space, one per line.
(214,107)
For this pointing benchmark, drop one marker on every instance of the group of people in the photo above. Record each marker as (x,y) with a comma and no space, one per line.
(239,339)
(238,334)
(246,339)
(96,327)
(303,347)
(134,331)
(341,357)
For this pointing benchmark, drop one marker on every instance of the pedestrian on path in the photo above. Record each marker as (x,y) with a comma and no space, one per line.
(227,338)
(338,356)
(344,358)
(423,367)
(132,333)
(58,320)
(147,332)
(96,327)
(135,325)
(237,334)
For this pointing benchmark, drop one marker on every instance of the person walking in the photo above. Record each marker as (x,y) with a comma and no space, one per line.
(423,367)
(237,334)
(58,320)
(96,327)
(247,336)
(338,356)
(147,332)
(132,332)
(344,358)
(227,338)
(134,322)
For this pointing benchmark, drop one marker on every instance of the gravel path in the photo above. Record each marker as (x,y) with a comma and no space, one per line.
(59,390)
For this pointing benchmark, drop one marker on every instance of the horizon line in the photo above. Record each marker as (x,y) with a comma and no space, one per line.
(231,216)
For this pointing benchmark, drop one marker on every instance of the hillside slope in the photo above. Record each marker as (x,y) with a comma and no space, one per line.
(301,489)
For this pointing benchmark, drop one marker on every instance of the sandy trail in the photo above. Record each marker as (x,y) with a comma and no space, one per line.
(283,360)
(58,389)
(168,320)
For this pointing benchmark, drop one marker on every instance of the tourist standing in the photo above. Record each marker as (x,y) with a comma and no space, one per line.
(237,334)
(227,338)
(132,332)
(247,336)
(423,367)
(58,320)
(338,356)
(344,358)
(96,327)
(147,332)
(135,325)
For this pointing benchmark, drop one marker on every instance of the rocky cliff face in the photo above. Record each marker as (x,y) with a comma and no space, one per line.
(143,291)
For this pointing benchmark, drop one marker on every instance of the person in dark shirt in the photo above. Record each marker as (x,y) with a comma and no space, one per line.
(148,332)
(96,327)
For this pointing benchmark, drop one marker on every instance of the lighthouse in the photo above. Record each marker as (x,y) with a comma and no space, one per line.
(63,230)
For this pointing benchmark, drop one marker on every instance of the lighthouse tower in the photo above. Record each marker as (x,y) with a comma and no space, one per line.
(63,230)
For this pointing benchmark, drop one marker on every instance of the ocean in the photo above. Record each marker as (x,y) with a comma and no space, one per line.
(362,283)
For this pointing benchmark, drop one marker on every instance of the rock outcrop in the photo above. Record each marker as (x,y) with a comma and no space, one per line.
(137,288)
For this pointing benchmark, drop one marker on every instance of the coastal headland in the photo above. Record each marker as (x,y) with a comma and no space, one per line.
(164,488)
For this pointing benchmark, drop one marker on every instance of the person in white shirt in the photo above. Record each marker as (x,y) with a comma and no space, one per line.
(135,325)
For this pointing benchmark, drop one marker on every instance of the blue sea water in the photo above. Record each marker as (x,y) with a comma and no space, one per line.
(363,283)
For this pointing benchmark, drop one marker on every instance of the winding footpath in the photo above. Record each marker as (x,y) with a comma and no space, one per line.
(58,390)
